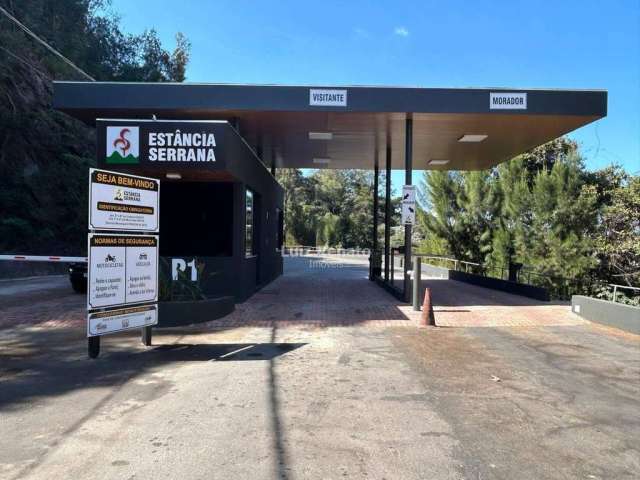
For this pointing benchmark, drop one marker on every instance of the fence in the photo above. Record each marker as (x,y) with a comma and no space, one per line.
(558,287)
(624,287)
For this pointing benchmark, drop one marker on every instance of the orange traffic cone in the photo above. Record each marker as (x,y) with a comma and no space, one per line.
(427,318)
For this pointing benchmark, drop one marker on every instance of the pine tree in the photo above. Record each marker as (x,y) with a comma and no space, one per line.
(563,210)
(439,197)
(512,222)
(478,203)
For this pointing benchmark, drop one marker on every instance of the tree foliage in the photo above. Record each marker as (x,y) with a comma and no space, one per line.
(542,209)
(617,239)
(44,154)
(330,208)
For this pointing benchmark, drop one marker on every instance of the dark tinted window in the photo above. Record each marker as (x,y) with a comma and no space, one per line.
(196,219)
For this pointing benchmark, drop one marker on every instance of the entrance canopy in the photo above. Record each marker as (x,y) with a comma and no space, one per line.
(346,127)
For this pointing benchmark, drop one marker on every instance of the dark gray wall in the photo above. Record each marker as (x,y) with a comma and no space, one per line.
(624,317)
(269,195)
(522,289)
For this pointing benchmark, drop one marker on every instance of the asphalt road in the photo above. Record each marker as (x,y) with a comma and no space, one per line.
(296,400)
(26,289)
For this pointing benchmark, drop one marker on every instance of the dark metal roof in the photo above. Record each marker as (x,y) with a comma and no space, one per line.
(276,120)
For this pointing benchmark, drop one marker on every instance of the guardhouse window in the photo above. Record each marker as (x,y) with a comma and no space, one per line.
(196,219)
(249,249)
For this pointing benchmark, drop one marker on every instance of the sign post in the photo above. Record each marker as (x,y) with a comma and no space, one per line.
(408,205)
(122,291)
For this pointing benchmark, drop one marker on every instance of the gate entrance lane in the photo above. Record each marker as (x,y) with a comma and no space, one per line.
(265,127)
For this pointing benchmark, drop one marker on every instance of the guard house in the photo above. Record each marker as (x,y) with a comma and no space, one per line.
(222,219)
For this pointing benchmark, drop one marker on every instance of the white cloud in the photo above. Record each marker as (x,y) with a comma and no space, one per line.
(401,31)
(361,32)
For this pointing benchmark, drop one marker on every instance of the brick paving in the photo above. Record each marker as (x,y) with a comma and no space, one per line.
(325,291)
(320,291)
(458,304)
(64,310)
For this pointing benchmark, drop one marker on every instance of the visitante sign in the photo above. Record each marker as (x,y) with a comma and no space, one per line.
(321,97)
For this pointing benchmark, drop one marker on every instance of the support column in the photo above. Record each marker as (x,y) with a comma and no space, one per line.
(387,211)
(374,250)
(408,166)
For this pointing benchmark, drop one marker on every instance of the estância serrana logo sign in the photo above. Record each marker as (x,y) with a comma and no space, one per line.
(123,145)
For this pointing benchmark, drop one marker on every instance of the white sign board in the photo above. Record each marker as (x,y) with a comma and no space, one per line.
(507,101)
(319,97)
(408,204)
(123,269)
(123,202)
(111,321)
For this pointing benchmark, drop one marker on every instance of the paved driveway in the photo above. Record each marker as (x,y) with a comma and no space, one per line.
(321,375)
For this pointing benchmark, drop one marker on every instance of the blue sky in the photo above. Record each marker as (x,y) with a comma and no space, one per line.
(552,44)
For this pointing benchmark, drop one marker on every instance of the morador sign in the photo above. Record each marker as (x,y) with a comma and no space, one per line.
(160,143)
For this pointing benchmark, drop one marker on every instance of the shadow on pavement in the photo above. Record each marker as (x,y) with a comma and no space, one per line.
(452,293)
(224,352)
(38,364)
(279,443)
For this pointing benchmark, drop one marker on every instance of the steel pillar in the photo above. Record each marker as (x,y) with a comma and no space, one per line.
(408,166)
(374,250)
(417,277)
(387,211)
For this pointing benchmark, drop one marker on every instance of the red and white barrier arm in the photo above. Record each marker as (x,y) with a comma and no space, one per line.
(44,258)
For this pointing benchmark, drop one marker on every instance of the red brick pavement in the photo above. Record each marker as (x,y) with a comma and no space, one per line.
(68,310)
(329,291)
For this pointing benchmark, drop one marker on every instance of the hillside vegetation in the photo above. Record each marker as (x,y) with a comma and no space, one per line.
(44,154)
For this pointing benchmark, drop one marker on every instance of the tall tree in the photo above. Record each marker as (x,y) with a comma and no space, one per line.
(513,216)
(539,209)
(618,237)
(563,213)
(439,195)
(477,203)
(299,223)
